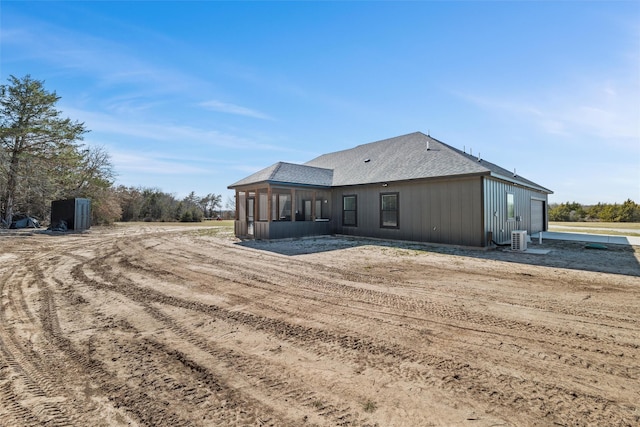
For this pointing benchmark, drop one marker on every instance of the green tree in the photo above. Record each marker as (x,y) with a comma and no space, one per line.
(595,212)
(151,204)
(130,201)
(566,212)
(629,211)
(192,210)
(33,137)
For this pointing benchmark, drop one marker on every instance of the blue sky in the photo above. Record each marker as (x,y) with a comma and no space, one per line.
(193,96)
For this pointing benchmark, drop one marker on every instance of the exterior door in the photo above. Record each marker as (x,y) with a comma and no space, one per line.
(250,215)
(537,216)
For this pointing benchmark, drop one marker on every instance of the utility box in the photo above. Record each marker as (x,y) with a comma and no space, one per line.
(519,240)
(76,214)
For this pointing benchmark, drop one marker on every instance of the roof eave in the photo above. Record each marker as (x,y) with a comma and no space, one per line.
(515,180)
(424,178)
(283,183)
(298,184)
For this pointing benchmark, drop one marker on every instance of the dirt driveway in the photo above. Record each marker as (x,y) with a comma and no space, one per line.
(170,326)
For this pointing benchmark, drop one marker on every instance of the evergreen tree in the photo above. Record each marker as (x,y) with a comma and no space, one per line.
(36,144)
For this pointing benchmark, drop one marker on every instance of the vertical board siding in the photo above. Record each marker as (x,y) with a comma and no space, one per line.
(495,205)
(286,229)
(76,213)
(240,228)
(261,229)
(459,211)
(446,211)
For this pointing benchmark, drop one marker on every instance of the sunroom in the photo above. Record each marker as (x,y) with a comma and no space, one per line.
(284,200)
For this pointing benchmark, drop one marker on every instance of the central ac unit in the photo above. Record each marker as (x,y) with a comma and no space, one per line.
(519,240)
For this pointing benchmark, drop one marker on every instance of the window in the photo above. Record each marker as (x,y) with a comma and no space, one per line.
(281,207)
(319,209)
(306,205)
(350,211)
(389,210)
(263,207)
(511,207)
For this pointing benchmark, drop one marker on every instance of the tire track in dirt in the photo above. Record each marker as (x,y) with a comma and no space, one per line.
(29,389)
(304,336)
(311,287)
(154,410)
(70,359)
(275,383)
(163,278)
(622,370)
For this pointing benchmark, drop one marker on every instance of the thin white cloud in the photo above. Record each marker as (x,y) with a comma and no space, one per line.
(109,63)
(152,163)
(98,122)
(607,110)
(233,109)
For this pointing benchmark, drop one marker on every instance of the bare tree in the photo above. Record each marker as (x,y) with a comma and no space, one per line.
(94,172)
(230,205)
(209,204)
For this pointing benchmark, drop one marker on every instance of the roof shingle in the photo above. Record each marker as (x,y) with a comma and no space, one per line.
(406,157)
(289,173)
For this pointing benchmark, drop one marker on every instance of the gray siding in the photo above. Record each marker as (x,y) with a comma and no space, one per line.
(438,211)
(495,207)
(289,229)
(240,228)
(459,211)
(283,229)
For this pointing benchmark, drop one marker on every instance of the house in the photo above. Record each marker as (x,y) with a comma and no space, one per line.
(411,187)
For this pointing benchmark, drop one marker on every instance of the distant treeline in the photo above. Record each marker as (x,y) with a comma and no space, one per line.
(42,159)
(628,211)
(151,204)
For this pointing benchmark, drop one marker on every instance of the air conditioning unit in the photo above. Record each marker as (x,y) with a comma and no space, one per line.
(519,240)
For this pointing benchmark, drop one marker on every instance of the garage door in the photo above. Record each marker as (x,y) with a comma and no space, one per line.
(537,216)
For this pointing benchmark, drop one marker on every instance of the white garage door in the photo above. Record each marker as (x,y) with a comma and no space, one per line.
(537,216)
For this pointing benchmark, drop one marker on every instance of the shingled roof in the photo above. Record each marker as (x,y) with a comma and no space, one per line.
(408,157)
(290,174)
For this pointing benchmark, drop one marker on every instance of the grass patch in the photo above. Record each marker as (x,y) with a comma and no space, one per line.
(224,223)
(224,231)
(590,225)
(369,406)
(609,228)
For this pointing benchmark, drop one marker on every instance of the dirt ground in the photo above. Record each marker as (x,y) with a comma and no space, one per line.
(172,326)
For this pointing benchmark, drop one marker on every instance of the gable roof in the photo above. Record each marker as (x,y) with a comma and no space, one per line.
(407,157)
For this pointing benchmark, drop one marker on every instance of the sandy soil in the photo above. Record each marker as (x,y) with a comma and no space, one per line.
(162,326)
